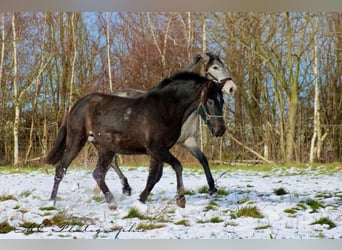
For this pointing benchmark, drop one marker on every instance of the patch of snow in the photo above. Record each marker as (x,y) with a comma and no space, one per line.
(204,217)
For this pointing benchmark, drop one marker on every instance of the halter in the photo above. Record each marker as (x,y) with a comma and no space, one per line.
(207,115)
(222,81)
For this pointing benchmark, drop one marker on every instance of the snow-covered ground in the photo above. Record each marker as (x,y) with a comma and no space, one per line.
(25,202)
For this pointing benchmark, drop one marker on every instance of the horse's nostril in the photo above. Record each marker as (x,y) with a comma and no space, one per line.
(219,131)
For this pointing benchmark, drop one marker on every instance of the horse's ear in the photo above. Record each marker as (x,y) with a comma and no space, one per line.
(201,56)
(205,58)
(197,57)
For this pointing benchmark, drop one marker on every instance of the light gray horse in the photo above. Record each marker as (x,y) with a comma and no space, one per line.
(210,66)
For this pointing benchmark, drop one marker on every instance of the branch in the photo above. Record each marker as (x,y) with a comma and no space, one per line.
(249,149)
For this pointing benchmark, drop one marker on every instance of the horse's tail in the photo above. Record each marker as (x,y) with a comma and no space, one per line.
(56,153)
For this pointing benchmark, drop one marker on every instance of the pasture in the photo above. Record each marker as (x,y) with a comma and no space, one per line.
(252,203)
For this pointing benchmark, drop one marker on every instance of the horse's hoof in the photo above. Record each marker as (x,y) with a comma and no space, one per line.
(181,201)
(109,197)
(213,192)
(112,206)
(140,206)
(51,203)
(127,191)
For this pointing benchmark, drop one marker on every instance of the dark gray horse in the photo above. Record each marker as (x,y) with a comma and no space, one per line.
(150,124)
(207,65)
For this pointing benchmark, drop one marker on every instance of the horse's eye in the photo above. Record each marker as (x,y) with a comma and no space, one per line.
(215,68)
(210,102)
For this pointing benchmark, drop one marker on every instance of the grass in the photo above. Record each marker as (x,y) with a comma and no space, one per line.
(324,168)
(222,191)
(262,227)
(211,206)
(25,169)
(321,167)
(7,197)
(326,221)
(324,196)
(30,226)
(134,213)
(183,222)
(280,191)
(214,219)
(320,235)
(47,208)
(249,211)
(315,205)
(98,198)
(63,219)
(290,211)
(25,194)
(244,200)
(190,192)
(301,205)
(203,190)
(5,227)
(149,226)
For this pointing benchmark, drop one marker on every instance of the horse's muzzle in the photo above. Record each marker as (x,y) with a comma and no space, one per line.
(218,129)
(229,87)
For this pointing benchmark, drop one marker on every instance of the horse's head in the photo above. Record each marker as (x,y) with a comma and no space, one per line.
(211,108)
(211,66)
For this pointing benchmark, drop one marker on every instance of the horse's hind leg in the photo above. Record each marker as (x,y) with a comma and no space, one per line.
(69,155)
(99,175)
(126,188)
(191,145)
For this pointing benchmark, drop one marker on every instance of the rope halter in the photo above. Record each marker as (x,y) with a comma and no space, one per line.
(207,115)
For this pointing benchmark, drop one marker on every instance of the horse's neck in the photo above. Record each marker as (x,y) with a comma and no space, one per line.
(191,109)
(183,103)
(195,68)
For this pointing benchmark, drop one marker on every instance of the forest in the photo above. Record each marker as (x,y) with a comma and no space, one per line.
(287,67)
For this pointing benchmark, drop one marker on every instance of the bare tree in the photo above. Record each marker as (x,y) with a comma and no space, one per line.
(2,53)
(161,49)
(16,96)
(108,53)
(317,134)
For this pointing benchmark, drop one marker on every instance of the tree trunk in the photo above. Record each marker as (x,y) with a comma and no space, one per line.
(2,46)
(74,52)
(108,54)
(204,46)
(315,152)
(292,93)
(161,51)
(16,98)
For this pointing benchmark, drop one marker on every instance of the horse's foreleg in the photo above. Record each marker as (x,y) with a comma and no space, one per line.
(163,155)
(159,172)
(126,188)
(191,145)
(99,175)
(154,176)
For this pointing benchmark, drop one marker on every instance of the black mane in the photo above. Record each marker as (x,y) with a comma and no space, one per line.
(182,76)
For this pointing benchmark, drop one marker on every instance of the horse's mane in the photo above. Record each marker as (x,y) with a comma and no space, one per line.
(183,75)
(191,72)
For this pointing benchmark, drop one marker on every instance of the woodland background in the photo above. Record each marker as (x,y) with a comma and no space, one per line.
(287,67)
